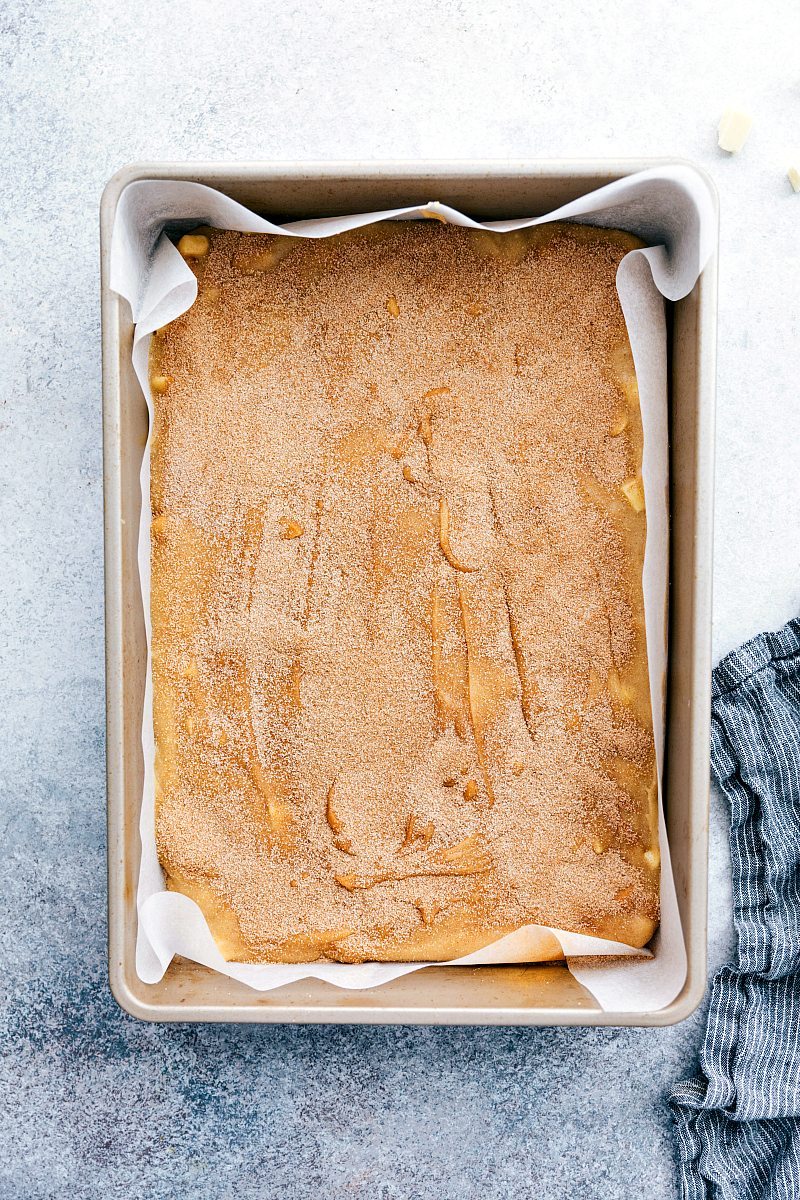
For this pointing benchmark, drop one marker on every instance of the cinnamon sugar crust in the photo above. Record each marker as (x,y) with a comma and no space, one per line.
(400,684)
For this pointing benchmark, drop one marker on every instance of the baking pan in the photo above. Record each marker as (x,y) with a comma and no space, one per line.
(488,995)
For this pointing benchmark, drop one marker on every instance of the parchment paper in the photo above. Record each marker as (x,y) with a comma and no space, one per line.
(671,209)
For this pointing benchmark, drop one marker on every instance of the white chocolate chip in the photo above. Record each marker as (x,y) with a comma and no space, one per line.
(734,129)
(193,245)
(634,493)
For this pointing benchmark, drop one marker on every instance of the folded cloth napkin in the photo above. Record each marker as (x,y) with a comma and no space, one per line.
(738,1124)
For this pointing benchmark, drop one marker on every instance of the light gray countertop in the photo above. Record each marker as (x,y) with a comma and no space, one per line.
(96,1104)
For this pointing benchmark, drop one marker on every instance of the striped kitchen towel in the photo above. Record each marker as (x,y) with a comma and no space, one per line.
(738,1124)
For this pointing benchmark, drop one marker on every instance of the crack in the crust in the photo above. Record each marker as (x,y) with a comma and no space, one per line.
(334,820)
(252,536)
(414,833)
(445,708)
(477,733)
(428,912)
(254,767)
(255,771)
(606,615)
(498,524)
(318,510)
(444,538)
(519,661)
(422,430)
(467,857)
(362,883)
(428,487)
(436,660)
(425,433)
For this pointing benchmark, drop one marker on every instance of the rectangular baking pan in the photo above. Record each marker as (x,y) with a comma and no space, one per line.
(486,995)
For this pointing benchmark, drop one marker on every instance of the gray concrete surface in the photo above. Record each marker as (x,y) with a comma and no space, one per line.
(93,1104)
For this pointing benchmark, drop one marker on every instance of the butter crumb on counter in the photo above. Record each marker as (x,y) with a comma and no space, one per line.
(793,175)
(734,130)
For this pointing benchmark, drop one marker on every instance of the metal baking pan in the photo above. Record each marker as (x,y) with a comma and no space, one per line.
(486,995)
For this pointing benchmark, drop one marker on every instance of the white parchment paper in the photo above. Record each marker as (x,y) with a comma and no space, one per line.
(671,209)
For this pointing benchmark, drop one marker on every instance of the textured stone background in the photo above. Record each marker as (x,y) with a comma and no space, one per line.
(95,1104)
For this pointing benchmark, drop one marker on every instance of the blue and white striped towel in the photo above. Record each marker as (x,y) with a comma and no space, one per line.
(738,1124)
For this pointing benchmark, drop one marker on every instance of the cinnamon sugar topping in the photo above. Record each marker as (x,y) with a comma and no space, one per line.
(400,681)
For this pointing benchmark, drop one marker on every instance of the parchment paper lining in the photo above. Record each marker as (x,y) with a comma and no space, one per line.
(669,207)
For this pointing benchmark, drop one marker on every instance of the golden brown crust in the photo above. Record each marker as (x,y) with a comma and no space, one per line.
(401,699)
